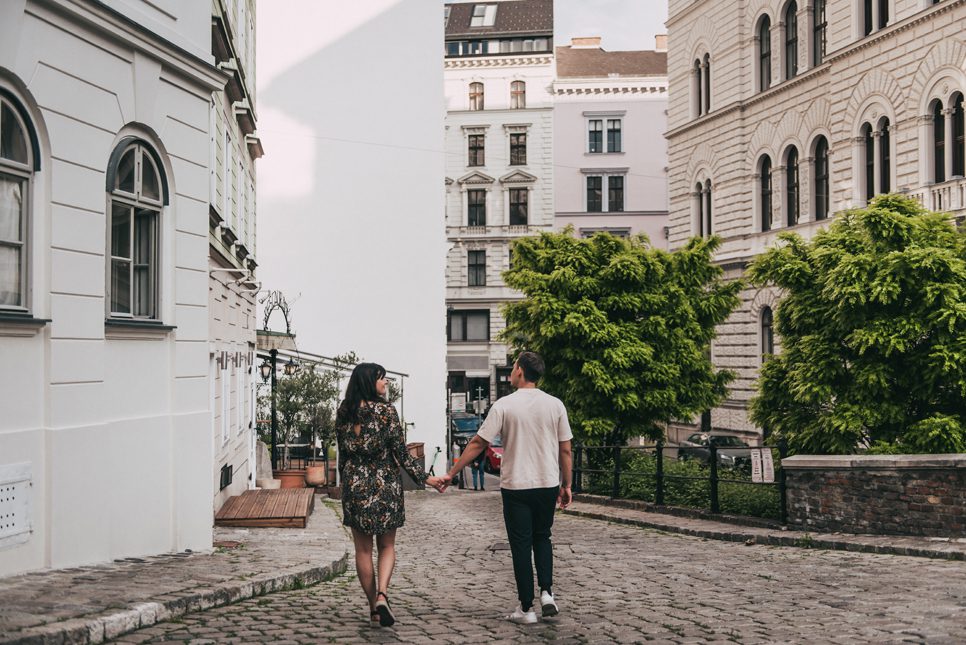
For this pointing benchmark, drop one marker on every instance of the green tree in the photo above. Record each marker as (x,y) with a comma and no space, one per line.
(873,334)
(305,403)
(623,327)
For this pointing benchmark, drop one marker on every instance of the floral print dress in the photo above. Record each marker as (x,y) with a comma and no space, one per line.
(372,493)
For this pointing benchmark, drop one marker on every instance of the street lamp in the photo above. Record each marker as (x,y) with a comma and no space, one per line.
(266,370)
(290,367)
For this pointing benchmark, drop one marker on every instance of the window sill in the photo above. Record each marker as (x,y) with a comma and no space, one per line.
(605,154)
(126,329)
(20,324)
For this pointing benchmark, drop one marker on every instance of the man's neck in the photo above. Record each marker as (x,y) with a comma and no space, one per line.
(527,385)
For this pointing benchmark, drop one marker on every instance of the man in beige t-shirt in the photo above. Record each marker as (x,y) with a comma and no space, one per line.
(534,476)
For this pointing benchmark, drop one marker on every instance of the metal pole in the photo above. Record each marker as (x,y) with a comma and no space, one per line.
(274,355)
(616,492)
(659,492)
(578,453)
(715,508)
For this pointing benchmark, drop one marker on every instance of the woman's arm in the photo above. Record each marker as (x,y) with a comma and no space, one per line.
(397,447)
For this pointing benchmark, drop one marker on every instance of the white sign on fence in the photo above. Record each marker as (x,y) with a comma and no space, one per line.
(767,467)
(756,466)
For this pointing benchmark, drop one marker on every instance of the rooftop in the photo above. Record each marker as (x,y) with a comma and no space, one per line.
(586,59)
(513,17)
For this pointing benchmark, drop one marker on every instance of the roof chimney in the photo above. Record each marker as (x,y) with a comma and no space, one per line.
(591,42)
(660,43)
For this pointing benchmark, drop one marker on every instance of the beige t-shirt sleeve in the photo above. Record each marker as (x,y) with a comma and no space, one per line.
(493,424)
(563,426)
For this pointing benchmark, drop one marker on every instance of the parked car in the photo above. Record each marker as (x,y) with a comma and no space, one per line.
(732,451)
(494,456)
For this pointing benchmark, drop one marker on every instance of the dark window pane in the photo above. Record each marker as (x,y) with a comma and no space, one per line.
(150,182)
(613,135)
(13,139)
(121,231)
(121,286)
(124,180)
(791,40)
(477,326)
(867,16)
(596,136)
(765,181)
(519,198)
(145,245)
(476,268)
(821,179)
(869,161)
(819,35)
(594,196)
(476,150)
(885,159)
(477,207)
(455,327)
(959,137)
(615,194)
(939,142)
(883,13)
(791,184)
(764,46)
(518,149)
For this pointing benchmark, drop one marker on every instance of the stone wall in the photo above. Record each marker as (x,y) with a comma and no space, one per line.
(878,494)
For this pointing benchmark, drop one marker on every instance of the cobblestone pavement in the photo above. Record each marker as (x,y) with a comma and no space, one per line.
(615,584)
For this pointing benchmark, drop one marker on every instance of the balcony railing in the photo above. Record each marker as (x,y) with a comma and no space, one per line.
(506,230)
(947,197)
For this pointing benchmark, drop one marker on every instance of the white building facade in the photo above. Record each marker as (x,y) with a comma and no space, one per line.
(234,146)
(498,74)
(784,113)
(105,442)
(610,155)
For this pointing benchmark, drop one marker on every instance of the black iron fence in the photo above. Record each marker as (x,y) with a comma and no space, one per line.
(713,478)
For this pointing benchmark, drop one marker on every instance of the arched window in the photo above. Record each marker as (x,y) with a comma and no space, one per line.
(697,85)
(764,174)
(819,25)
(18,161)
(868,147)
(939,142)
(821,179)
(767,322)
(476,96)
(764,53)
(959,136)
(791,187)
(885,156)
(518,95)
(137,193)
(707,83)
(791,39)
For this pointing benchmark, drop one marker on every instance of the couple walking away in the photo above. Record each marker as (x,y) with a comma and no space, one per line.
(535,476)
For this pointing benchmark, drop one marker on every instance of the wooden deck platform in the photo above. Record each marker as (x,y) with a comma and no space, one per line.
(279,508)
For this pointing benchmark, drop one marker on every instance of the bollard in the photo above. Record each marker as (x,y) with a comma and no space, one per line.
(659,475)
(715,508)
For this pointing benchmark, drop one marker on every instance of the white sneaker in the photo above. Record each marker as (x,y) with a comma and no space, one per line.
(548,605)
(520,616)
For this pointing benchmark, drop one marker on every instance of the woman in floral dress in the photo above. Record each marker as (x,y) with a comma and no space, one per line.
(371,450)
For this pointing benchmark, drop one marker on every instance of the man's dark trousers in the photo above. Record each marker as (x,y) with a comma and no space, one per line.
(528,515)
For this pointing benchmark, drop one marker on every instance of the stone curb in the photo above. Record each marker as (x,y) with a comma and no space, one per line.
(784,538)
(82,631)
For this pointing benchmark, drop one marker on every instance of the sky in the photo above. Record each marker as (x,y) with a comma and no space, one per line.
(622,24)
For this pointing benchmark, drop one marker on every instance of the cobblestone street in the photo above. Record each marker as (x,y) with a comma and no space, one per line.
(614,583)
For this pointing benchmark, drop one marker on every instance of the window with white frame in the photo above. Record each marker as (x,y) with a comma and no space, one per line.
(476,207)
(597,143)
(476,96)
(595,135)
(518,148)
(134,215)
(615,194)
(484,15)
(876,157)
(595,194)
(614,182)
(875,15)
(519,206)
(518,95)
(468,325)
(702,208)
(16,172)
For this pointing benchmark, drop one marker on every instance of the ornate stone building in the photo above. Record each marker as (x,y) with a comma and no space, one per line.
(498,73)
(785,112)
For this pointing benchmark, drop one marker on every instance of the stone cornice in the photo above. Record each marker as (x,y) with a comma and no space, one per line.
(637,89)
(523,61)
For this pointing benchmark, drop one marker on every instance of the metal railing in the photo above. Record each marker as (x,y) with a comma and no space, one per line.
(642,472)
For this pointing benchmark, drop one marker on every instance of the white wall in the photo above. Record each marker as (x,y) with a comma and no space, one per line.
(115,430)
(351,186)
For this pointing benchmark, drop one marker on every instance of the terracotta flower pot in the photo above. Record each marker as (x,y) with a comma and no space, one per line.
(291,478)
(334,492)
(315,475)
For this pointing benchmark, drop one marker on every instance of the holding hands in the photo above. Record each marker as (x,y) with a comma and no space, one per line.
(439,483)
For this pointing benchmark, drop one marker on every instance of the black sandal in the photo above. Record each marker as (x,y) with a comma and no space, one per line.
(386,619)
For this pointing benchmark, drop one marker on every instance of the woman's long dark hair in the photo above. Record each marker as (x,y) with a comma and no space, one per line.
(362,387)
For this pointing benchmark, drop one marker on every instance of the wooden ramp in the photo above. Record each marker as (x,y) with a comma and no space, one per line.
(279,508)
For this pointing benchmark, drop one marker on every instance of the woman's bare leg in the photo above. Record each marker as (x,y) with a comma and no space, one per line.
(387,557)
(364,570)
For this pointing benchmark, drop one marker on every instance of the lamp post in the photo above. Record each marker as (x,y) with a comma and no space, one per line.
(274,357)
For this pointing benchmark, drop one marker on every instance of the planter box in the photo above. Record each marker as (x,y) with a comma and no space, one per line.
(291,478)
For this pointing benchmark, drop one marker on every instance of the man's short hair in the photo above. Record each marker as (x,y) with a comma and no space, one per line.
(532,366)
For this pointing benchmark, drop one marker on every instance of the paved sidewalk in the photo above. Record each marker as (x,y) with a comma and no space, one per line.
(624,512)
(97,603)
